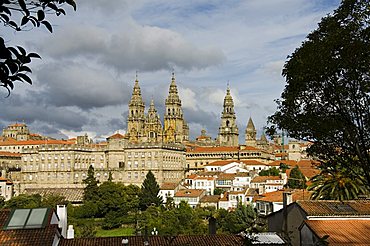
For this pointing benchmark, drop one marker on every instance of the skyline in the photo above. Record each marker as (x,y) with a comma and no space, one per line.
(85,78)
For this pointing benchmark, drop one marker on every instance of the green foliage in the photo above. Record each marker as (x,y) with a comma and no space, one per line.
(87,230)
(327,96)
(51,201)
(296,179)
(21,15)
(91,189)
(2,201)
(270,172)
(218,191)
(244,218)
(24,201)
(283,167)
(149,192)
(333,184)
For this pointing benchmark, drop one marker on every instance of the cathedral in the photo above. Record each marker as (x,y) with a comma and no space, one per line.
(147,128)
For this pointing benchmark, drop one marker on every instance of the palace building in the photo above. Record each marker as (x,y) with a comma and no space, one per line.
(149,144)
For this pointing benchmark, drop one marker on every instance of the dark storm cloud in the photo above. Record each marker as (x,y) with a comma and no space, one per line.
(31,110)
(73,84)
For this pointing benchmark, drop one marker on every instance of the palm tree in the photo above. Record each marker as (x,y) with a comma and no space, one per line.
(336,184)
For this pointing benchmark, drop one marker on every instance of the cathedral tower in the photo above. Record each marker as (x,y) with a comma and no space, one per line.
(250,134)
(175,128)
(136,116)
(153,125)
(228,131)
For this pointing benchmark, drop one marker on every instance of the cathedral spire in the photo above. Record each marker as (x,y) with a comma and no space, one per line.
(228,130)
(250,134)
(136,115)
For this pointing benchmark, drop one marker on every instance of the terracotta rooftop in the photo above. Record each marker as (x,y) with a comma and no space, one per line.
(336,208)
(342,232)
(277,196)
(253,162)
(35,142)
(194,240)
(210,198)
(17,124)
(290,163)
(26,237)
(226,176)
(72,194)
(5,153)
(262,179)
(169,186)
(189,193)
(221,163)
(116,136)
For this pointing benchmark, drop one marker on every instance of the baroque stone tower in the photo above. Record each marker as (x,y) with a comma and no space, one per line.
(228,131)
(250,134)
(153,126)
(136,116)
(175,128)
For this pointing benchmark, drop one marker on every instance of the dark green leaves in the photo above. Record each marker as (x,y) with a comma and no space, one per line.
(31,14)
(327,99)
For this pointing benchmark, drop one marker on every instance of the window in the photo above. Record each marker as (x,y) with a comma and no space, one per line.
(121,164)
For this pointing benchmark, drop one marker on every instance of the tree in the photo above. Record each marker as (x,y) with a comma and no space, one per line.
(327,96)
(24,201)
(91,189)
(270,172)
(296,179)
(149,192)
(244,218)
(332,184)
(14,60)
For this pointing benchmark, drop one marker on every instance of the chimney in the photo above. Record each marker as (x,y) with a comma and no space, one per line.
(62,214)
(287,199)
(70,232)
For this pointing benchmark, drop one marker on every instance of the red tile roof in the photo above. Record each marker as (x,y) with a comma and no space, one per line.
(342,232)
(169,186)
(36,142)
(290,163)
(277,196)
(220,163)
(189,193)
(336,208)
(5,153)
(262,179)
(26,237)
(210,198)
(193,240)
(213,149)
(253,162)
(116,136)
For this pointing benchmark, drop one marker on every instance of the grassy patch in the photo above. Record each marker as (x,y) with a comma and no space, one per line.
(124,231)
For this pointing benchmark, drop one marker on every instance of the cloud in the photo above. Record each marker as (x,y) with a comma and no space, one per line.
(143,48)
(188,98)
(75,84)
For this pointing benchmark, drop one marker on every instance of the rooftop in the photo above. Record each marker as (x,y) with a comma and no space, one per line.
(342,232)
(336,208)
(194,240)
(189,193)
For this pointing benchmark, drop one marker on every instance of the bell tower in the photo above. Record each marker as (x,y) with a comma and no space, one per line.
(136,116)
(228,131)
(175,128)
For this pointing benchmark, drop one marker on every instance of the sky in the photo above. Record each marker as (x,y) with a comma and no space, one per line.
(84,81)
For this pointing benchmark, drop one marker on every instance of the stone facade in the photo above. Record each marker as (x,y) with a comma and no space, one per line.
(228,132)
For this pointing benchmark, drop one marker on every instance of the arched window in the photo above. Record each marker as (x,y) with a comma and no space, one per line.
(227,123)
